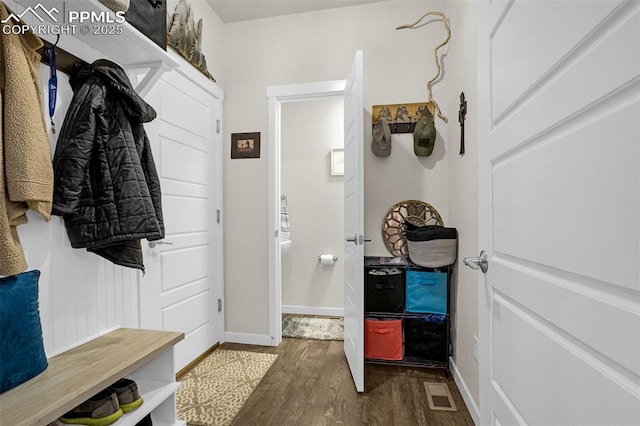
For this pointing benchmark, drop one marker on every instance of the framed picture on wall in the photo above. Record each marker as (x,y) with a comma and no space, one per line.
(245,145)
(337,161)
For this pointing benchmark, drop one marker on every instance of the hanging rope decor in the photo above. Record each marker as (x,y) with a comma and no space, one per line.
(445,20)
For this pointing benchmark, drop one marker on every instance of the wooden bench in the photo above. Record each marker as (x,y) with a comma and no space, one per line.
(74,376)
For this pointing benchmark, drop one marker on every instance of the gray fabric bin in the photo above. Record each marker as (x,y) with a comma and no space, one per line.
(432,246)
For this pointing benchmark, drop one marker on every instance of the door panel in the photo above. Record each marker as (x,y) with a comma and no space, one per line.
(181,286)
(183,109)
(184,266)
(176,155)
(186,213)
(559,173)
(519,334)
(354,222)
(514,73)
(567,199)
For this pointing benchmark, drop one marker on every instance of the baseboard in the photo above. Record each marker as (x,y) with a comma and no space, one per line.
(249,339)
(196,361)
(464,390)
(309,310)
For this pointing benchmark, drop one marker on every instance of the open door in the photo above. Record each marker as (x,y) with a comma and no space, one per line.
(354,222)
(559,161)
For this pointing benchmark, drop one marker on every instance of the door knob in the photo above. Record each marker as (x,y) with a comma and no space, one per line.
(479,262)
(353,239)
(152,244)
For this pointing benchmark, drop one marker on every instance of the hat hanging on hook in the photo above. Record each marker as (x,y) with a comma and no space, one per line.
(433,105)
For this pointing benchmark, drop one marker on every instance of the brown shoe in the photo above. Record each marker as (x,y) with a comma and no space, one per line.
(128,396)
(100,410)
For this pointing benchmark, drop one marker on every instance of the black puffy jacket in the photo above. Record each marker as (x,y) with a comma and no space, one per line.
(106,186)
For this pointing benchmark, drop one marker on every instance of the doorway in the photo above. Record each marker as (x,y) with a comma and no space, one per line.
(312,206)
(279,95)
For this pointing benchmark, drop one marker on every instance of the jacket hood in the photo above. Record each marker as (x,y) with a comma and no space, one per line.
(115,78)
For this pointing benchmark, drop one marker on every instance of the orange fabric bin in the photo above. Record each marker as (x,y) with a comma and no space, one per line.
(383,339)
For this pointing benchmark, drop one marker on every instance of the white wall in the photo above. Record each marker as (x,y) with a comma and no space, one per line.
(463,187)
(315,201)
(310,47)
(81,295)
(320,46)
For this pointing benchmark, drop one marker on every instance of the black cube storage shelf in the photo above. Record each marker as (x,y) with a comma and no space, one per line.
(425,343)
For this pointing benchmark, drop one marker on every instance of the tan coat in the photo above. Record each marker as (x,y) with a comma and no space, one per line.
(25,152)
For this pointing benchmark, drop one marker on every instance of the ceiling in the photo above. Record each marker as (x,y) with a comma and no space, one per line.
(244,10)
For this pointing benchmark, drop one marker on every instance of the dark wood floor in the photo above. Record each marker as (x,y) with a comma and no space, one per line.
(310,384)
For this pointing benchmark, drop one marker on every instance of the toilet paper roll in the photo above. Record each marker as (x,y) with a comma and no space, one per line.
(327,259)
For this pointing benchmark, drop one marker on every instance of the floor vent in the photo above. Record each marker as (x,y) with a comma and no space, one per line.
(439,396)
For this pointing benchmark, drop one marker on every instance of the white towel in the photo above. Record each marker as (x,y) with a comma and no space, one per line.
(285,228)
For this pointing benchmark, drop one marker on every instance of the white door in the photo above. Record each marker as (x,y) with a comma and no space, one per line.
(183,279)
(559,128)
(354,222)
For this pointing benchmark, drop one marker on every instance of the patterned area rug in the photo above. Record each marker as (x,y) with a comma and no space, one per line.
(214,392)
(313,328)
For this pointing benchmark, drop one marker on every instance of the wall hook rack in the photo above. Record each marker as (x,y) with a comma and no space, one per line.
(65,61)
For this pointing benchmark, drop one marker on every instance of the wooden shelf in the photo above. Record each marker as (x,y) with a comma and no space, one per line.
(130,49)
(74,376)
(410,361)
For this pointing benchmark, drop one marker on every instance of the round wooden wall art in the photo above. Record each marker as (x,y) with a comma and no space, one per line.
(394,224)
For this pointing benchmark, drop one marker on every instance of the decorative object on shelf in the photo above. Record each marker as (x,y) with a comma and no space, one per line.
(424,134)
(394,228)
(337,161)
(445,20)
(245,145)
(117,5)
(462,115)
(150,18)
(186,37)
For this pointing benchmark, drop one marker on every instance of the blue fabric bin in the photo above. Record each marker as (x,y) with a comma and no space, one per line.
(426,291)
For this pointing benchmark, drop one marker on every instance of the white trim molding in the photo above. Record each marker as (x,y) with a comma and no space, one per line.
(249,339)
(310,310)
(278,95)
(464,391)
